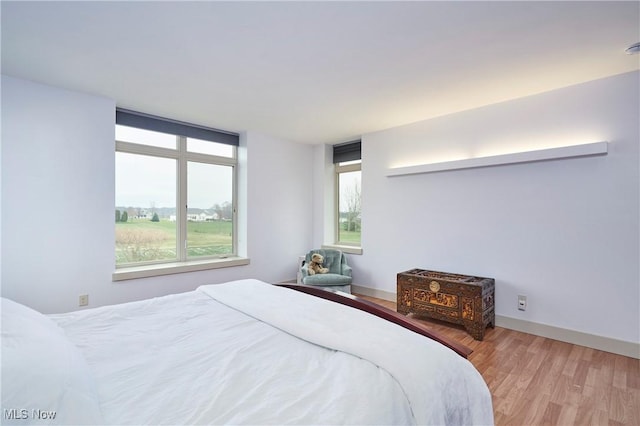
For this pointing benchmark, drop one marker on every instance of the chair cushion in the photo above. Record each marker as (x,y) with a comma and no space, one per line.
(327,279)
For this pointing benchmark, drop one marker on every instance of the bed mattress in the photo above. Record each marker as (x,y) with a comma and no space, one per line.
(247,352)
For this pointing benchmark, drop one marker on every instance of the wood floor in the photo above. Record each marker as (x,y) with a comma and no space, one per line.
(540,381)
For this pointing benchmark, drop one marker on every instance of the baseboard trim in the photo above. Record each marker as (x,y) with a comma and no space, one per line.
(373,292)
(593,341)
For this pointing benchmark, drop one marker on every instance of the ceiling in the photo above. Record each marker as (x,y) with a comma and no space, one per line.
(315,72)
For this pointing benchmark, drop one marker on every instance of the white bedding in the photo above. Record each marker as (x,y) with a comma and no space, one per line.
(240,353)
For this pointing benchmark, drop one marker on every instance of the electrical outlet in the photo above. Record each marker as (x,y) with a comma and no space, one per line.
(83,300)
(522,303)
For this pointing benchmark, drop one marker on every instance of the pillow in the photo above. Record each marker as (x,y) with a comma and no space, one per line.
(45,378)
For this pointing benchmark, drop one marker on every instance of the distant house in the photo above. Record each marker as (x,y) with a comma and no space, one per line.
(201,215)
(144,214)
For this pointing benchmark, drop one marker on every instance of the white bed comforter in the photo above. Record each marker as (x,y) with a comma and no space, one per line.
(239,353)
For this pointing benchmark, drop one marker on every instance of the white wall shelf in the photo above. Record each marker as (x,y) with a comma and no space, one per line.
(584,150)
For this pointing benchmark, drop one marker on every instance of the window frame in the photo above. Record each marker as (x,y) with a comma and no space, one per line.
(183,263)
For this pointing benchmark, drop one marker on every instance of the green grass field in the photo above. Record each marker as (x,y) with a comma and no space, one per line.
(140,240)
(350,237)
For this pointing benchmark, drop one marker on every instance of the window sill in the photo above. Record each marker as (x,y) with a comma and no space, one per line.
(343,248)
(145,271)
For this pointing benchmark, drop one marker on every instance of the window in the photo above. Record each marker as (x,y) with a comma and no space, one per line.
(175,192)
(347,160)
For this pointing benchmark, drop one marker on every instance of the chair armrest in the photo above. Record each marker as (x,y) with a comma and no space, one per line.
(304,269)
(346,270)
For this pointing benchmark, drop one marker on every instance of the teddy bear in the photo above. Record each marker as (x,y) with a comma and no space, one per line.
(315,265)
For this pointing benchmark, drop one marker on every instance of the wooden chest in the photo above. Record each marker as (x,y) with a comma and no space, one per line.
(455,298)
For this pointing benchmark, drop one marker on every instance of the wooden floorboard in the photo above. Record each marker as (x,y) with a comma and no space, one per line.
(538,381)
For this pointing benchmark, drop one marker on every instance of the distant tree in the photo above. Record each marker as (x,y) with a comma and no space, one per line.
(353,198)
(155,218)
(227,210)
(118,216)
(218,209)
(124,217)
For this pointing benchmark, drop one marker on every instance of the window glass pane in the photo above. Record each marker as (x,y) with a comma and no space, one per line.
(145,137)
(208,147)
(145,208)
(210,211)
(349,207)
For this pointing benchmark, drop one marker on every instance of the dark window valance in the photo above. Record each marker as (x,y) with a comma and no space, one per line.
(348,151)
(174,127)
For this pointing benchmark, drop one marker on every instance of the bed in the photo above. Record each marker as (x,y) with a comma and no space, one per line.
(242,352)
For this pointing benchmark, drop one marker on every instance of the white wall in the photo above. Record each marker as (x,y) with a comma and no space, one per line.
(58,200)
(323,195)
(564,233)
(279,205)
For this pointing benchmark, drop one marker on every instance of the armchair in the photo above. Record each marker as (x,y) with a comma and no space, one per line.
(339,276)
